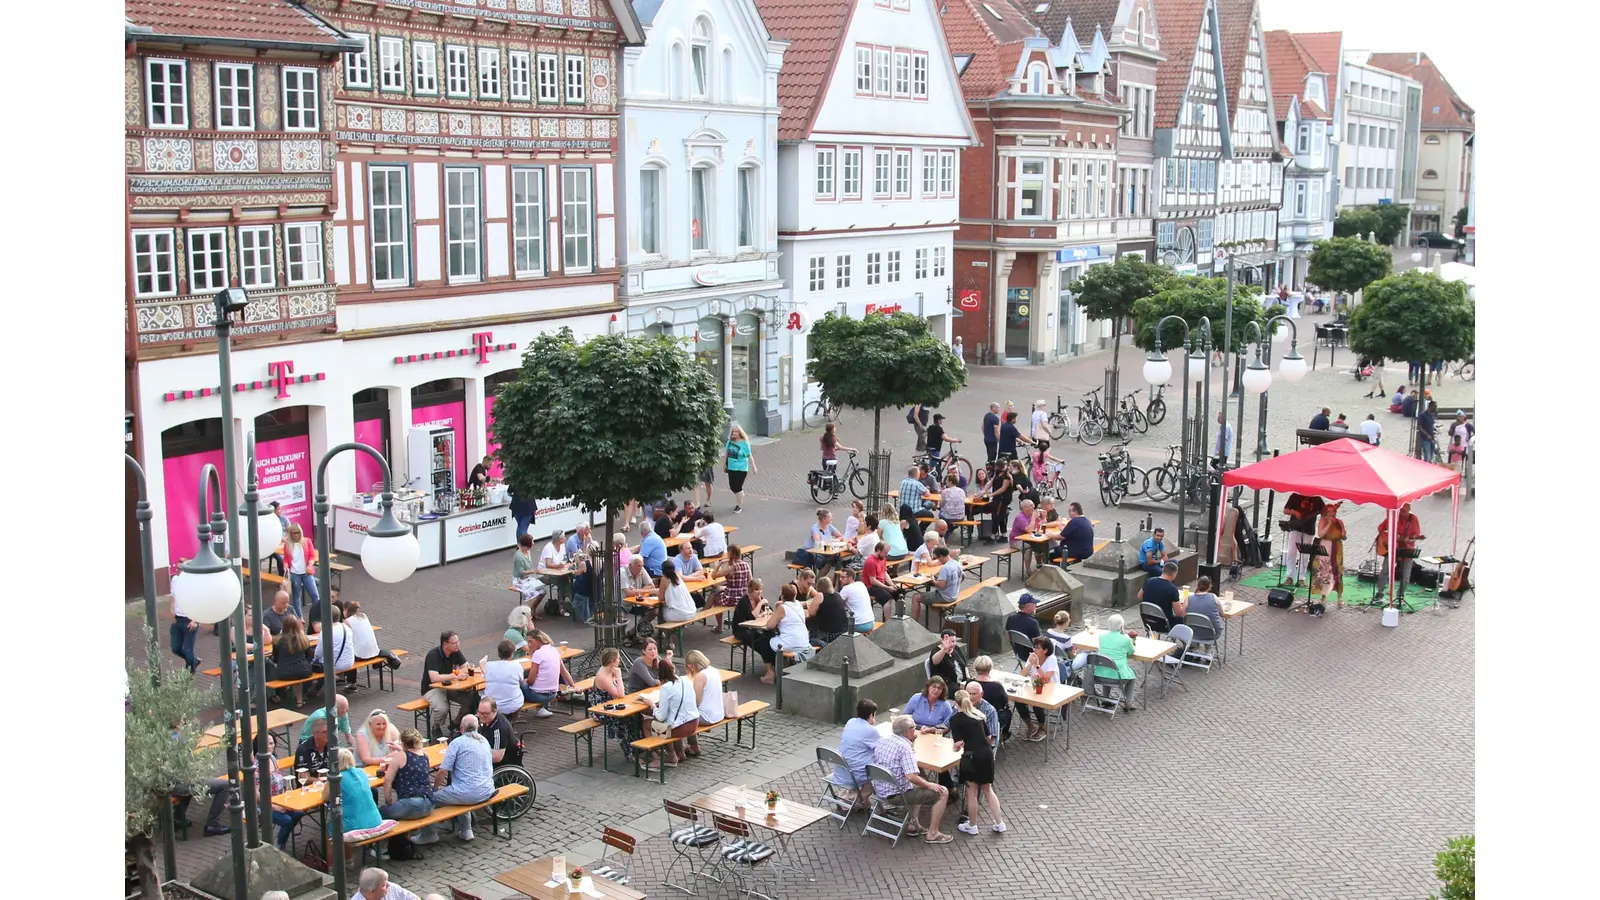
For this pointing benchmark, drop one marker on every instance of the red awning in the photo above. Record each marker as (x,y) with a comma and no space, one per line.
(1346,469)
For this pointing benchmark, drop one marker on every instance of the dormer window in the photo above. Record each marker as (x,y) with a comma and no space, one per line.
(1138,24)
(1037,78)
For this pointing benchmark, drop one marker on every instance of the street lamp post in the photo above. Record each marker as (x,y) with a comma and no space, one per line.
(389,553)
(207,591)
(263,533)
(142,515)
(1158,370)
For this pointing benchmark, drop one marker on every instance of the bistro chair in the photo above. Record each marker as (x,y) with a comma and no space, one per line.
(1199,653)
(1183,636)
(1021,646)
(832,765)
(745,858)
(619,852)
(1155,621)
(1093,699)
(891,811)
(690,839)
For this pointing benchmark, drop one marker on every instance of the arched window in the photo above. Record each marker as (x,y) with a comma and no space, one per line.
(700,60)
(1429,173)
(1138,24)
(675,72)
(1036,78)
(1431,139)
(727,75)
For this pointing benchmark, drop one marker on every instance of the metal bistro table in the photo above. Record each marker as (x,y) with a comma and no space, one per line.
(1055,698)
(1233,609)
(1149,651)
(788,818)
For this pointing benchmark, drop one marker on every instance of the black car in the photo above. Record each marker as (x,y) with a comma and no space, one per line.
(1438,240)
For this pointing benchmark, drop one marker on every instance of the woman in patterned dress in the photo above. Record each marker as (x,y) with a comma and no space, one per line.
(735,572)
(608,687)
(1328,566)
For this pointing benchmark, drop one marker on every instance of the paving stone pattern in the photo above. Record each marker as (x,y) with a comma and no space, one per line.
(1332,759)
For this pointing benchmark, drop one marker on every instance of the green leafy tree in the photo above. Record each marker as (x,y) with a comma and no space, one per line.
(161,741)
(1357,222)
(1109,292)
(1190,297)
(610,420)
(1392,219)
(1458,223)
(1456,868)
(1347,264)
(881,361)
(1414,315)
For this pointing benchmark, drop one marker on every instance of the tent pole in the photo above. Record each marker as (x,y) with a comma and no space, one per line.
(1455,516)
(1394,523)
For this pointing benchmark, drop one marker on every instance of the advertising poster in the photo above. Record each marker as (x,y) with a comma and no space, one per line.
(454,416)
(283,474)
(182,475)
(368,472)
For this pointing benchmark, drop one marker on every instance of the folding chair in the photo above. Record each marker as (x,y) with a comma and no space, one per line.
(689,838)
(1183,636)
(1155,621)
(607,865)
(1021,646)
(885,809)
(832,766)
(1199,653)
(1093,700)
(747,859)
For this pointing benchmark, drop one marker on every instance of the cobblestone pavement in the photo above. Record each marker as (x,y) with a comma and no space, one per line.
(1332,759)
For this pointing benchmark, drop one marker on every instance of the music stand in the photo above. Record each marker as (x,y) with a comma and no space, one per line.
(1312,548)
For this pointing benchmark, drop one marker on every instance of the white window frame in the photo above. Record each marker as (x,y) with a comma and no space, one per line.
(825,185)
(700,50)
(244,114)
(1074,170)
(919,76)
(1104,194)
(200,243)
(882,77)
(153,262)
(310,116)
(528,221)
(577,219)
(706,218)
(902,73)
(747,193)
(891,267)
(174,73)
(902,174)
(841,270)
(519,75)
(874,268)
(817,274)
(576,67)
(1300,191)
(489,72)
(392,62)
(938,262)
(847,157)
(457,70)
(947,173)
(302,251)
(1038,79)
(425,68)
(547,71)
(358,66)
(1205,236)
(1027,182)
(882,174)
(257,267)
(400,238)
(864,70)
(919,263)
(930,173)
(465,216)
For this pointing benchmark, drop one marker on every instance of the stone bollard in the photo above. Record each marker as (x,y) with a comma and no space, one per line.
(844,692)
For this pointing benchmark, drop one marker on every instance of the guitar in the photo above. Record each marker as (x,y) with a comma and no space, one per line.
(1458,578)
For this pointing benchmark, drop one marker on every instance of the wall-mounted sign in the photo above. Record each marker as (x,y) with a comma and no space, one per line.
(883,309)
(280,375)
(482,346)
(970,299)
(709,335)
(797,322)
(710,275)
(744,329)
(1078,254)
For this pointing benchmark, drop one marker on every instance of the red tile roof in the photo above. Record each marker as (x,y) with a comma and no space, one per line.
(1311,109)
(995,43)
(1086,16)
(1442,107)
(247,20)
(1325,47)
(1180,30)
(815,30)
(1234,17)
(1288,63)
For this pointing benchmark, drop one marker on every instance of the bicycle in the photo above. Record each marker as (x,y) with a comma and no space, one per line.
(1095,409)
(1086,430)
(938,465)
(1164,478)
(1465,370)
(819,411)
(1054,484)
(1156,410)
(1119,477)
(827,484)
(1130,417)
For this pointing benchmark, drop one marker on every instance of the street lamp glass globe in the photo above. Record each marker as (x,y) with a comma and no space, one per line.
(1157,370)
(1197,368)
(1292,367)
(269,533)
(390,559)
(207,597)
(1257,377)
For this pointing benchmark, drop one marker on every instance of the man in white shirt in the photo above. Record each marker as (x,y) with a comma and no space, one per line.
(1372,430)
(711,535)
(375,885)
(1039,427)
(855,596)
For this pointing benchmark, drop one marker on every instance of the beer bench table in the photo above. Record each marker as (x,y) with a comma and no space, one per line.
(279,723)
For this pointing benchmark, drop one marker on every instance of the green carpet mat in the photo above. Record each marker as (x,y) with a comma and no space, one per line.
(1356,591)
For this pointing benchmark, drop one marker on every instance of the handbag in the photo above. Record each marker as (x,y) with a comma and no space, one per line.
(730,704)
(659,728)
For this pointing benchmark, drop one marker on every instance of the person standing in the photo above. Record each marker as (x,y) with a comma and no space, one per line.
(960,351)
(1327,568)
(1427,438)
(480,473)
(991,432)
(970,732)
(523,508)
(1039,424)
(300,557)
(1407,533)
(917,416)
(183,632)
(739,463)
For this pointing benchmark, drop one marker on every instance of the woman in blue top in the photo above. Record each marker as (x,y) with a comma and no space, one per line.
(739,464)
(355,792)
(407,790)
(893,535)
(930,709)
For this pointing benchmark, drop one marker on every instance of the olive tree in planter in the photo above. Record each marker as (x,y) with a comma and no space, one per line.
(609,420)
(161,740)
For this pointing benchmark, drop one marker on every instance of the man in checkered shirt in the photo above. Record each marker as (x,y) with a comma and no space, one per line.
(898,754)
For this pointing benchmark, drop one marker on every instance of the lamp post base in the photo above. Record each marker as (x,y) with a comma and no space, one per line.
(266,868)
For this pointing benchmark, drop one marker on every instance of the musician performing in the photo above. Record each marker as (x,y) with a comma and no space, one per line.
(1327,569)
(1298,526)
(1406,535)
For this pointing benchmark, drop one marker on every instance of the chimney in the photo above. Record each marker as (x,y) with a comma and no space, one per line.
(1416,58)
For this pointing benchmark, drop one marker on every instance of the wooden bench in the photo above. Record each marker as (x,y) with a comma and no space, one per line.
(676,628)
(421,715)
(266,577)
(747,711)
(971,525)
(446,813)
(965,595)
(336,572)
(733,644)
(583,729)
(1004,554)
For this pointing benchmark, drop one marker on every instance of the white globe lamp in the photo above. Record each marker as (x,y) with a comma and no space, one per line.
(207,589)
(1197,368)
(269,532)
(1257,377)
(1157,370)
(1293,366)
(389,552)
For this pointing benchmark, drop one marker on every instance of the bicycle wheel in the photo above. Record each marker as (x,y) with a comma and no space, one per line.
(963,468)
(1118,488)
(1156,411)
(1090,432)
(858,483)
(1160,485)
(516,806)
(814,413)
(1057,423)
(1058,489)
(1105,490)
(1136,416)
(1137,480)
(1467,372)
(820,495)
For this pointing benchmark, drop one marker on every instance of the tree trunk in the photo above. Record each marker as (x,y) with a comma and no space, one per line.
(1116,365)
(608,584)
(144,862)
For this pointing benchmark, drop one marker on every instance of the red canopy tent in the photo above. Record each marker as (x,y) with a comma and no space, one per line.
(1354,470)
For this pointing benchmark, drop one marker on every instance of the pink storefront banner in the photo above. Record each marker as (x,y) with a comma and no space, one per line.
(182,476)
(454,415)
(368,472)
(495,469)
(283,474)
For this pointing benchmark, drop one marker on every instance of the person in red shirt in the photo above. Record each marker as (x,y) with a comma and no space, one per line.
(875,574)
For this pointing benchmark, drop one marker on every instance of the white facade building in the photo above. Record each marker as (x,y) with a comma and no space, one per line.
(1302,98)
(699,146)
(869,141)
(1372,124)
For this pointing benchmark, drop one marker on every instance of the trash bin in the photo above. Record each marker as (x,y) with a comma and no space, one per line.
(965,625)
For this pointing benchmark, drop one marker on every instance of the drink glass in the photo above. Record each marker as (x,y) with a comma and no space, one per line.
(303,776)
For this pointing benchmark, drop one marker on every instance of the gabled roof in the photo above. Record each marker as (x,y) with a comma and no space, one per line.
(815,30)
(1326,48)
(1288,64)
(1234,17)
(996,43)
(238,22)
(1086,15)
(1442,107)
(1180,30)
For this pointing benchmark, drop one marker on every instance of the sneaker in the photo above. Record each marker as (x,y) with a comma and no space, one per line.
(543,714)
(466,834)
(737,508)
(966,828)
(214,830)
(425,836)
(999,828)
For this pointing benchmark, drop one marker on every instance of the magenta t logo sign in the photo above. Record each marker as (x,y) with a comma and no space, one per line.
(480,341)
(281,372)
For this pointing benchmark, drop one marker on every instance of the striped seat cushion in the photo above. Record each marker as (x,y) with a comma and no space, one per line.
(616,875)
(695,836)
(746,851)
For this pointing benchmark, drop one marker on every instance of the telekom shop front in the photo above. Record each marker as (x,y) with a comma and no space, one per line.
(425,401)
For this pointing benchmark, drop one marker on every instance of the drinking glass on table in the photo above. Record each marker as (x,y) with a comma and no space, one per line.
(303,776)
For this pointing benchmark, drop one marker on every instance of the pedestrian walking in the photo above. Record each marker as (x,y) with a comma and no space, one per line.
(917,416)
(960,351)
(1414,371)
(991,432)
(738,462)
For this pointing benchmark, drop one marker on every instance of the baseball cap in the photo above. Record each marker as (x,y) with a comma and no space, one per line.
(1026,600)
